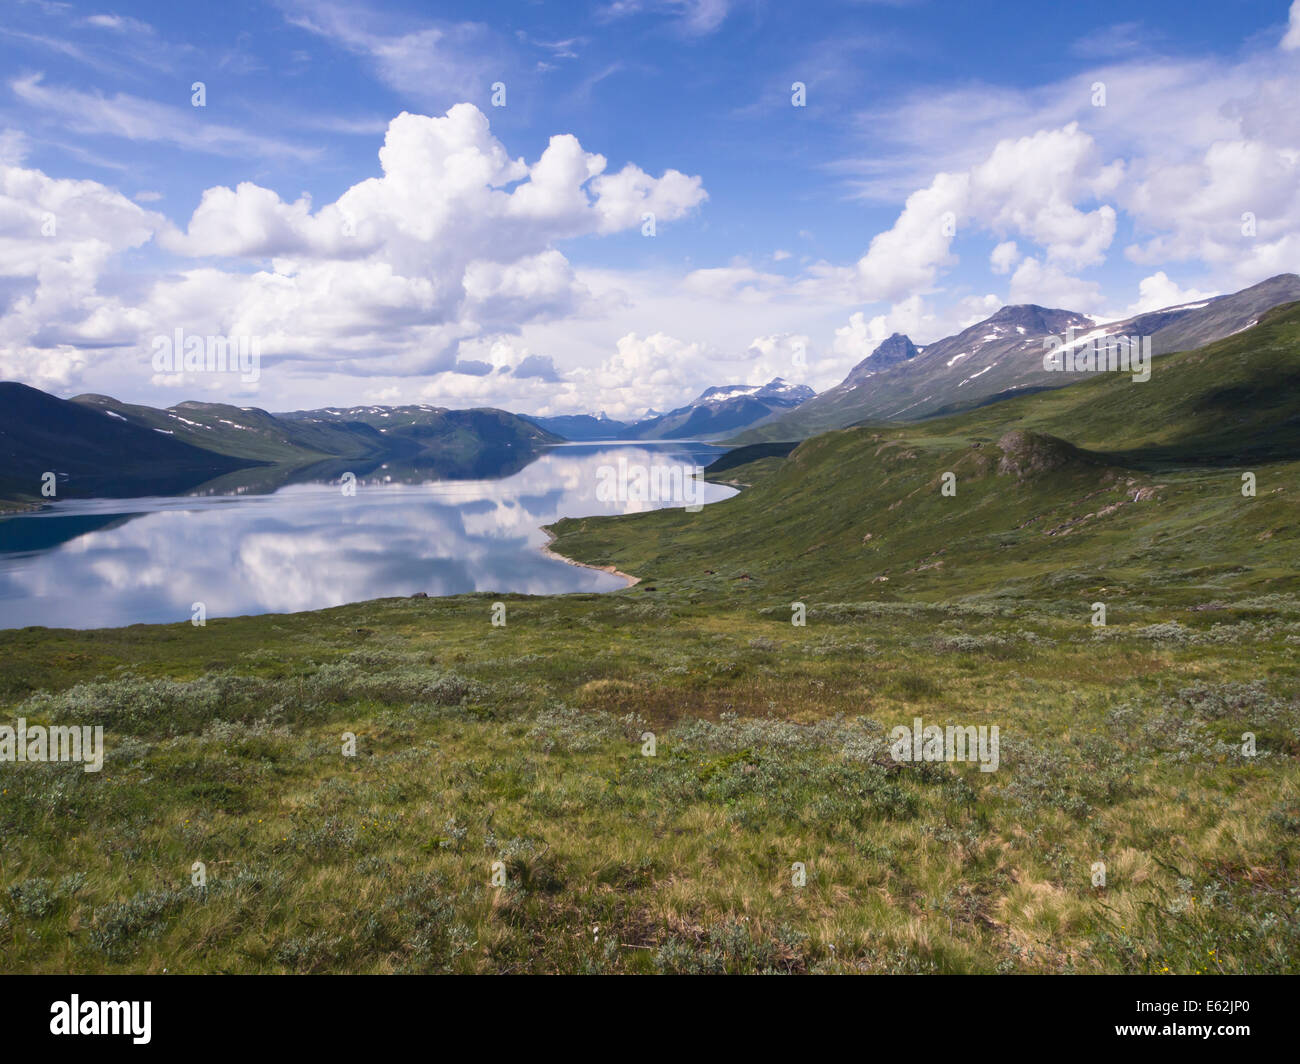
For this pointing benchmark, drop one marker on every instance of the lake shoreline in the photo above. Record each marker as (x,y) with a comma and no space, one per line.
(546,549)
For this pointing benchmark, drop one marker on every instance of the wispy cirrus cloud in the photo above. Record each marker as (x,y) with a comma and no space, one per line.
(118,24)
(110,44)
(694,17)
(432,62)
(137,119)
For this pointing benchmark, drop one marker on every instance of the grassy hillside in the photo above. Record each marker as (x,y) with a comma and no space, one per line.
(1108,483)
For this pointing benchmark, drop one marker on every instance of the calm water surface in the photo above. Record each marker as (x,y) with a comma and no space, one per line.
(104,563)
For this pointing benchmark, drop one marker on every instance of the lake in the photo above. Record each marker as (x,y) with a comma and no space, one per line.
(110,562)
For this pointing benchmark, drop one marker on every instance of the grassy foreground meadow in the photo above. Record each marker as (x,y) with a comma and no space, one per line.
(522,744)
(1144,815)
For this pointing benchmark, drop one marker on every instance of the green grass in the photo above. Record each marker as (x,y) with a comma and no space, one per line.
(523,745)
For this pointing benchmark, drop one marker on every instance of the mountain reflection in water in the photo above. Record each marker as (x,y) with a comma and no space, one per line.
(269,544)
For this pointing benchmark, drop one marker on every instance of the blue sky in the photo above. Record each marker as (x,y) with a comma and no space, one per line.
(788,240)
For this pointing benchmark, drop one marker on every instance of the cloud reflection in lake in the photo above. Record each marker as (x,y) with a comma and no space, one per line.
(101,563)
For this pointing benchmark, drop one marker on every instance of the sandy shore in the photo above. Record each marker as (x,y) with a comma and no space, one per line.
(546,549)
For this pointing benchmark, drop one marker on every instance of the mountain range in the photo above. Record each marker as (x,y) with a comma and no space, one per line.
(720,410)
(714,413)
(1002,356)
(98,446)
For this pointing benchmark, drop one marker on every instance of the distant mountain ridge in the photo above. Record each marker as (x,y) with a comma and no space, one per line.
(422,424)
(1002,356)
(716,411)
(722,409)
(246,432)
(777,389)
(448,443)
(582,427)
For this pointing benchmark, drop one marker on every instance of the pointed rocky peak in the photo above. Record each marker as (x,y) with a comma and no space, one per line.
(898,348)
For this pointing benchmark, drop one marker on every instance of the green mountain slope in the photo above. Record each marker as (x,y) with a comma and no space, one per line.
(91,451)
(1109,484)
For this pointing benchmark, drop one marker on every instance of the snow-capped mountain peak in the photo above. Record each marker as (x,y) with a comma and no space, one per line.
(776,388)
